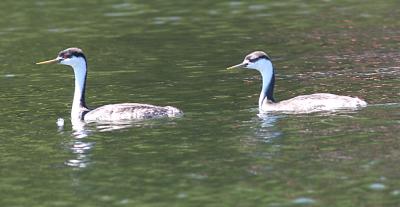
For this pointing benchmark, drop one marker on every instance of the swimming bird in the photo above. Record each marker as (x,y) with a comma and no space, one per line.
(75,58)
(260,61)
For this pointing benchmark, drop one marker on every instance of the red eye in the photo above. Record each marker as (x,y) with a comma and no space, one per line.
(66,55)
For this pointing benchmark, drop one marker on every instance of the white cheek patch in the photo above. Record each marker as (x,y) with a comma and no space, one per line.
(65,62)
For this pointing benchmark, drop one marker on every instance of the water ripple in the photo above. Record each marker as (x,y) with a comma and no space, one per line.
(304,201)
(377,186)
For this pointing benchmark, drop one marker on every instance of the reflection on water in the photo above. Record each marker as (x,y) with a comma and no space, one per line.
(81,150)
(77,145)
(267,130)
(221,153)
(81,131)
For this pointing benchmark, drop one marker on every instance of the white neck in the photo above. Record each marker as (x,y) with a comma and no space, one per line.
(267,72)
(80,79)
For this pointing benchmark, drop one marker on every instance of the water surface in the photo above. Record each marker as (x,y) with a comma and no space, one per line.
(220,153)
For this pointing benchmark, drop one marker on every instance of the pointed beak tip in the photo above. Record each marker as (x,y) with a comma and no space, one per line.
(240,65)
(231,67)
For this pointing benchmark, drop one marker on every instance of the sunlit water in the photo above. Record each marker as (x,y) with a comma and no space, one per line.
(220,153)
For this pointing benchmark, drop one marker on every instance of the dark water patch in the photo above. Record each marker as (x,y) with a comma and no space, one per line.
(220,153)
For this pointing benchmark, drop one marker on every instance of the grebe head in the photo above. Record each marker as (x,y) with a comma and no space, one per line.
(255,60)
(73,57)
(261,62)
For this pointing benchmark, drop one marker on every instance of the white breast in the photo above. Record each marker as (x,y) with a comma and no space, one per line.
(314,103)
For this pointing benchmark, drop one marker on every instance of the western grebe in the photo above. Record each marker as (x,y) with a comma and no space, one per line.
(75,58)
(260,61)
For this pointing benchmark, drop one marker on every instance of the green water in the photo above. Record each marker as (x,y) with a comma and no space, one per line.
(220,153)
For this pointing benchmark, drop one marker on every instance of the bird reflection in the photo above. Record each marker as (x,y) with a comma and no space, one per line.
(268,120)
(81,150)
(79,145)
(266,129)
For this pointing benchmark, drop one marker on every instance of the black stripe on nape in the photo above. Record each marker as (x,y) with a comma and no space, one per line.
(270,92)
(68,53)
(257,55)
(258,58)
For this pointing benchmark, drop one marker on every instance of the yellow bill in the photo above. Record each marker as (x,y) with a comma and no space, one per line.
(48,62)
